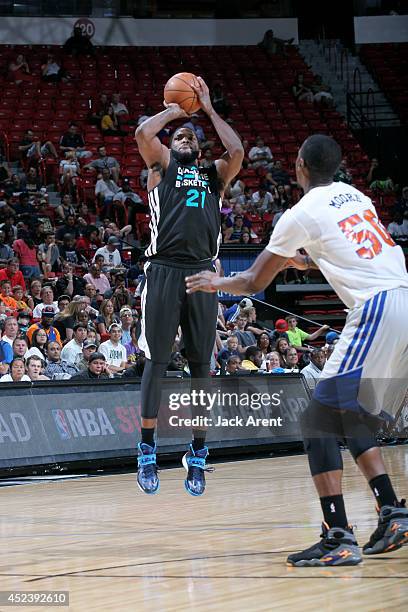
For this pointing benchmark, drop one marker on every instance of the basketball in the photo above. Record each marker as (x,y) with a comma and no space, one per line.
(178,90)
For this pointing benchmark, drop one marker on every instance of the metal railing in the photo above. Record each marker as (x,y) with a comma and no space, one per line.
(367,109)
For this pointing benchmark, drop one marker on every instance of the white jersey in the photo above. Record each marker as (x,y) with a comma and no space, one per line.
(339,228)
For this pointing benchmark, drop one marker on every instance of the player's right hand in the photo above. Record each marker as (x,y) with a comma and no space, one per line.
(178,112)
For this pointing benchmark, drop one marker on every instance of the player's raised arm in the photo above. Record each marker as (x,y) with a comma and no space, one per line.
(150,147)
(262,272)
(229,165)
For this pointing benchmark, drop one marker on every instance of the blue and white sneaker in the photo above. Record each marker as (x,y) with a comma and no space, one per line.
(194,464)
(147,478)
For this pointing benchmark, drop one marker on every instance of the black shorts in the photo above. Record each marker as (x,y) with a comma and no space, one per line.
(166,305)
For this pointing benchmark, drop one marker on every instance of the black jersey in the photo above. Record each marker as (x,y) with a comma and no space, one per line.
(185,215)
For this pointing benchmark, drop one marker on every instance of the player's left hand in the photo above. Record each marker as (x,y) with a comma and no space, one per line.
(203,94)
(203,281)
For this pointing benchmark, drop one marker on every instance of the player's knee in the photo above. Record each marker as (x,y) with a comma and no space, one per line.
(323,454)
(358,446)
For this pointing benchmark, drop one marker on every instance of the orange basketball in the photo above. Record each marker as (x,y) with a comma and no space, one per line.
(178,89)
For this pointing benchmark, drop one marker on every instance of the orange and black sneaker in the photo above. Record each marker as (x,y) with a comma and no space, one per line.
(337,547)
(391,532)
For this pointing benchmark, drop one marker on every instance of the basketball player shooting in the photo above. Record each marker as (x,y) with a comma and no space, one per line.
(365,379)
(185,202)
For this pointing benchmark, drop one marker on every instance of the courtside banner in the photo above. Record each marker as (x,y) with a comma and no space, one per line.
(66,421)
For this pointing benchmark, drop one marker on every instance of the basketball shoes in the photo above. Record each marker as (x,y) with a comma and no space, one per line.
(391,532)
(147,478)
(194,464)
(336,547)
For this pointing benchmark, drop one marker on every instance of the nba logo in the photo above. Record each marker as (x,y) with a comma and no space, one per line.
(61,424)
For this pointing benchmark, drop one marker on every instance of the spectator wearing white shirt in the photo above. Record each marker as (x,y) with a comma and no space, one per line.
(313,370)
(17,372)
(121,110)
(105,190)
(262,200)
(11,330)
(260,155)
(398,228)
(114,350)
(47,297)
(110,253)
(72,351)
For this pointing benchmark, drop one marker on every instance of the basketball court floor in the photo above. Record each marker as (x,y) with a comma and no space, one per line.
(115,549)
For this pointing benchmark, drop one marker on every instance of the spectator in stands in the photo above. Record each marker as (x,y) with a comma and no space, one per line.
(245,236)
(263,342)
(119,108)
(70,227)
(114,350)
(111,255)
(6,355)
(56,369)
(127,202)
(49,255)
(23,321)
(105,161)
(39,340)
(280,331)
(66,320)
(378,178)
(97,368)
(297,336)
(72,351)
(47,296)
(12,272)
(260,155)
(17,372)
(34,367)
(273,363)
(281,347)
(245,338)
(35,292)
(105,190)
(401,206)
(219,101)
(292,359)
(322,92)
(69,283)
(20,347)
(106,318)
(232,235)
(99,109)
(88,348)
(132,347)
(98,279)
(313,370)
(89,242)
(63,301)
(68,169)
(52,72)
(230,350)
(46,324)
(233,364)
(121,296)
(78,43)
(6,296)
(32,148)
(194,125)
(253,359)
(26,252)
(262,199)
(398,228)
(281,199)
(72,140)
(300,91)
(207,159)
(343,174)
(20,70)
(126,320)
(32,183)
(71,257)
(18,295)
(6,253)
(273,45)
(148,112)
(278,175)
(110,125)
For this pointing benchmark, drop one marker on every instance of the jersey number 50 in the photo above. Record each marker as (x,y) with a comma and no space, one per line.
(373,243)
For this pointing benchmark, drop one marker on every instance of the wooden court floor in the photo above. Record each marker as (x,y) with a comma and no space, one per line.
(115,549)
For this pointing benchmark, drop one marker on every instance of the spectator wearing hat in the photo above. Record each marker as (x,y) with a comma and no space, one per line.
(313,370)
(47,318)
(88,348)
(23,322)
(10,331)
(6,356)
(280,331)
(110,252)
(72,351)
(113,350)
(47,296)
(13,273)
(126,320)
(231,313)
(298,336)
(56,368)
(97,368)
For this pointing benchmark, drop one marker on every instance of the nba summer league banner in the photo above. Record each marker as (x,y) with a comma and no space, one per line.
(43,422)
